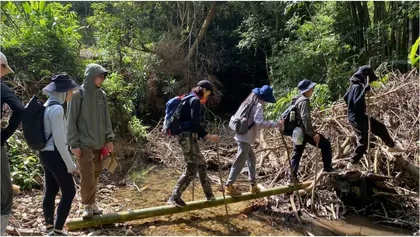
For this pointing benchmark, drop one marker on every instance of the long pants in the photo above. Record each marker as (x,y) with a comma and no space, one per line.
(245,154)
(361,130)
(194,162)
(90,167)
(6,191)
(56,177)
(324,145)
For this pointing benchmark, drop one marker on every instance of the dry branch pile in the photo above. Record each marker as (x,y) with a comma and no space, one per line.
(390,193)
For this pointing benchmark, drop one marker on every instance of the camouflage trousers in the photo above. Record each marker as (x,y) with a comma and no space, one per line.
(194,162)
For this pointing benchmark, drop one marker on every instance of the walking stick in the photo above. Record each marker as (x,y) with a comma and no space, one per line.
(291,170)
(314,183)
(369,130)
(221,184)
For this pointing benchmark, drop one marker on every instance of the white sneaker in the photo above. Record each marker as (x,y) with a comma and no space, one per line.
(96,210)
(87,212)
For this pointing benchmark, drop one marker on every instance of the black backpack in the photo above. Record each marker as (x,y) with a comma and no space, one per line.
(291,119)
(33,124)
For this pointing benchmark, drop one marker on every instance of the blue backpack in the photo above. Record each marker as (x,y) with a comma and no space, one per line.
(171,125)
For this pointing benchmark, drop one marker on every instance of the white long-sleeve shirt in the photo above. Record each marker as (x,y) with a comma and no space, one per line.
(256,116)
(54,122)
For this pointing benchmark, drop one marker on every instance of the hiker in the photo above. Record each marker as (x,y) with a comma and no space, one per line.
(254,104)
(357,117)
(89,130)
(303,115)
(9,98)
(190,132)
(55,158)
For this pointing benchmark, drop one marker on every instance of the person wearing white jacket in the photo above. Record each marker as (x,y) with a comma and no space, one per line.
(255,102)
(55,158)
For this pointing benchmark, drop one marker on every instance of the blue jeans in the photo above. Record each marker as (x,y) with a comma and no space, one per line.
(245,154)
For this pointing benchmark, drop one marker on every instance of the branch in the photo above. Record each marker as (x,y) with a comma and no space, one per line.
(202,32)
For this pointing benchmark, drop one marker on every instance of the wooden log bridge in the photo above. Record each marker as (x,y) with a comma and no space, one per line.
(78,223)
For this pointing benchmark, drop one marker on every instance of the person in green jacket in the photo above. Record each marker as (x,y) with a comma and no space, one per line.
(88,131)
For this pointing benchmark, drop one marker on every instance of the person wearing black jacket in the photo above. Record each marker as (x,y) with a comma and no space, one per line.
(357,117)
(191,131)
(9,98)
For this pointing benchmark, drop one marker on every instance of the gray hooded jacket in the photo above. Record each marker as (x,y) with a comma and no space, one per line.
(88,122)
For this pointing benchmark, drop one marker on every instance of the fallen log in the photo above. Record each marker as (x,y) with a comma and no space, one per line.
(78,223)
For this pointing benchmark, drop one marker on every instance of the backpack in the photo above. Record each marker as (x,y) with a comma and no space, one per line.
(33,124)
(239,121)
(290,118)
(171,125)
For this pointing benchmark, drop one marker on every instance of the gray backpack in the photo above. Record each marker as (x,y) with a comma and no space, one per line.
(239,121)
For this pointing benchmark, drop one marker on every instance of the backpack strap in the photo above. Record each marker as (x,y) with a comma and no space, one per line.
(80,105)
(249,112)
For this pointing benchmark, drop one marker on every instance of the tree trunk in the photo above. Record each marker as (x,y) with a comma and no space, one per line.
(202,32)
(355,22)
(77,223)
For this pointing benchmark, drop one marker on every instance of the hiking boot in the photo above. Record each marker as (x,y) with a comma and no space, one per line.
(178,202)
(87,212)
(354,166)
(210,198)
(331,170)
(57,233)
(96,210)
(254,189)
(395,149)
(232,191)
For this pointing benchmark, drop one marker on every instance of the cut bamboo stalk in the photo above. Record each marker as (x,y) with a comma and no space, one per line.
(119,217)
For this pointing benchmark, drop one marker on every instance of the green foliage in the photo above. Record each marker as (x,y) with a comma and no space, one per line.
(275,110)
(321,97)
(138,130)
(414,54)
(40,38)
(25,168)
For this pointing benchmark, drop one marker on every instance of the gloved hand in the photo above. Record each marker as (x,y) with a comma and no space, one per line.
(367,87)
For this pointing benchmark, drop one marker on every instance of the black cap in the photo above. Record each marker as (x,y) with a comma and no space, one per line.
(205,84)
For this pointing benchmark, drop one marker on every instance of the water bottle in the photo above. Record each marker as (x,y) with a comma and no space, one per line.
(292,115)
(297,136)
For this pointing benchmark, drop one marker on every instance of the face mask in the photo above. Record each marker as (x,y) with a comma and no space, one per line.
(205,97)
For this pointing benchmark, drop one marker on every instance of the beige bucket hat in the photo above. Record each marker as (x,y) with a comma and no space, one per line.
(4,64)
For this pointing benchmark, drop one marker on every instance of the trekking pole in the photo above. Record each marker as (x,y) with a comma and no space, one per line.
(221,185)
(369,129)
(314,183)
(291,170)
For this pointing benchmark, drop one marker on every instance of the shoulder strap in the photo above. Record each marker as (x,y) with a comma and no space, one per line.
(80,105)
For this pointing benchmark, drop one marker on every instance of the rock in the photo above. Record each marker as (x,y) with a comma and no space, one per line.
(109,186)
(95,233)
(104,190)
(129,232)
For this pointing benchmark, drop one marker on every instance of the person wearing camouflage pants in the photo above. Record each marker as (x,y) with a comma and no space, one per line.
(189,133)
(194,162)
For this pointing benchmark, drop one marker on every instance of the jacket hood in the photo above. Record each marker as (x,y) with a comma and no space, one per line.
(55,96)
(361,75)
(92,70)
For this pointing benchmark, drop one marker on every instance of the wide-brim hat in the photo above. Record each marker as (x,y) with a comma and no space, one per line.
(5,64)
(61,83)
(265,93)
(305,85)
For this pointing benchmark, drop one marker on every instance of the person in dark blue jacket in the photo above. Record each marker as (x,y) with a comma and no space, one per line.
(357,117)
(191,131)
(9,98)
